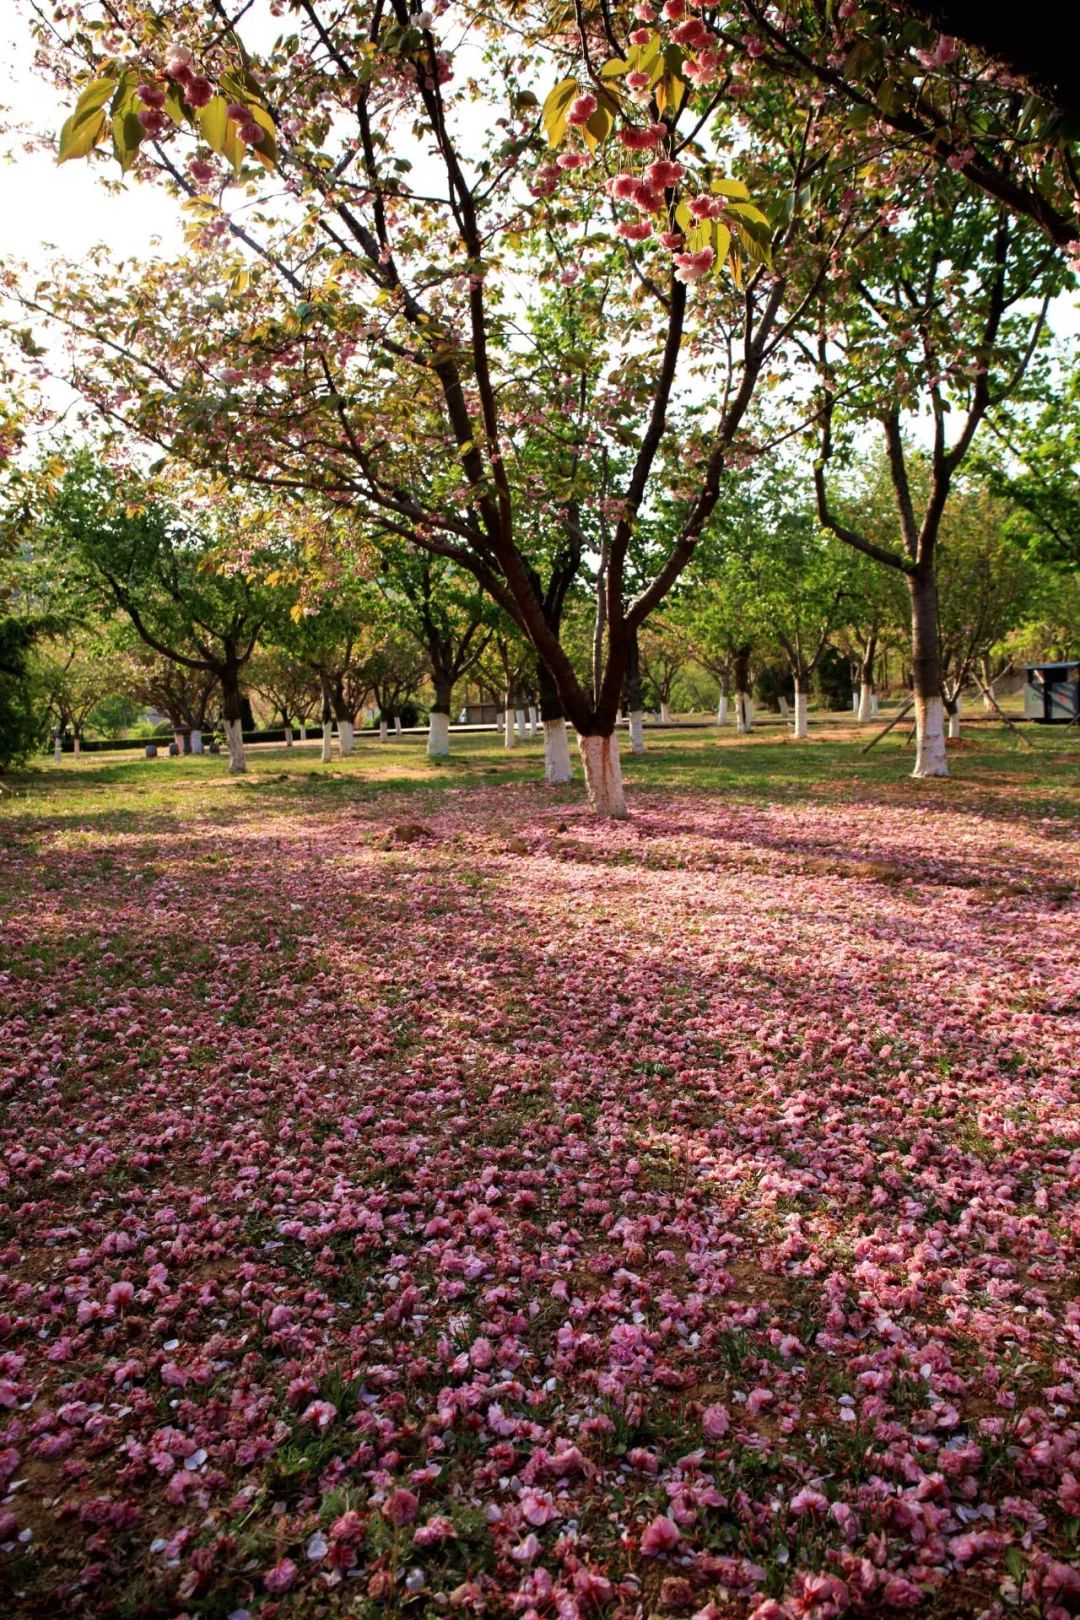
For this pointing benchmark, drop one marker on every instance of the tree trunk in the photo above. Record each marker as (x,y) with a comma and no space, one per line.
(196,740)
(721,710)
(801,729)
(232,710)
(346,736)
(866,679)
(532,719)
(743,719)
(930,757)
(384,730)
(288,738)
(509,738)
(234,741)
(665,712)
(873,706)
(438,741)
(519,717)
(76,745)
(58,748)
(952,709)
(303,731)
(633,697)
(397,725)
(327,753)
(603,775)
(557,767)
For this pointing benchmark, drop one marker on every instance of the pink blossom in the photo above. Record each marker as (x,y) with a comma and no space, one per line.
(401,1506)
(280,1576)
(582,108)
(659,1537)
(692,266)
(320,1413)
(715,1422)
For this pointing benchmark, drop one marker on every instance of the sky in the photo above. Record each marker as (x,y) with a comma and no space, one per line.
(43,203)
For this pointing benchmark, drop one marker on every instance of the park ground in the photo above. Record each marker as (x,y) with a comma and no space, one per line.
(419,1198)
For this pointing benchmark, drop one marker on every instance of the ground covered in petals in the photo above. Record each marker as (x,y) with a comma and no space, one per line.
(418,1198)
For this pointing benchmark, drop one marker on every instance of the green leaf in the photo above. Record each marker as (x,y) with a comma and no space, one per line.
(556,107)
(174,104)
(93,97)
(615,68)
(127,134)
(80,134)
(214,123)
(1015,1562)
(597,130)
(864,56)
(641,58)
(266,151)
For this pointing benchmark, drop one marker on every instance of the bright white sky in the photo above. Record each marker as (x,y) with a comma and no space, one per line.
(42,202)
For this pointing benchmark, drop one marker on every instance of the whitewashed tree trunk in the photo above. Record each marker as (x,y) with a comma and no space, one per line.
(509,737)
(288,740)
(346,737)
(234,742)
(930,758)
(303,731)
(196,741)
(533,718)
(384,731)
(438,740)
(749,710)
(801,727)
(58,749)
(178,739)
(522,729)
(76,746)
(954,722)
(637,731)
(665,713)
(557,767)
(722,710)
(742,713)
(785,707)
(874,706)
(327,743)
(866,702)
(397,725)
(603,776)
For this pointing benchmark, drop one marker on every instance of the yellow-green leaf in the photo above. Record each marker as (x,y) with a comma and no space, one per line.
(597,130)
(730,188)
(614,68)
(127,134)
(556,107)
(214,123)
(80,134)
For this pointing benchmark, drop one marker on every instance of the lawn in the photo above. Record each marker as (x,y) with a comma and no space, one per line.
(416,1197)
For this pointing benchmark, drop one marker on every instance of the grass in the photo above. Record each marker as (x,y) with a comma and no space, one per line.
(992,773)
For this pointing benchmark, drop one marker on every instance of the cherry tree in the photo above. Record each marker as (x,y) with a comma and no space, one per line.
(941,313)
(361,338)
